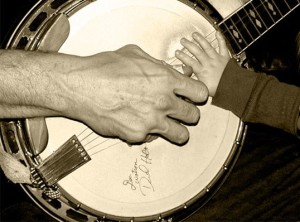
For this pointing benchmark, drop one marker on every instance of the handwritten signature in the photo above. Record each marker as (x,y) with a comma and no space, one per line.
(139,177)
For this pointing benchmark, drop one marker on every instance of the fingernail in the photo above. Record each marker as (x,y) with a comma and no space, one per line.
(177,52)
(196,35)
(183,40)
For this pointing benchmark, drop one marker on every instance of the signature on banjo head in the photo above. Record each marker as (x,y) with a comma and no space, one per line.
(139,179)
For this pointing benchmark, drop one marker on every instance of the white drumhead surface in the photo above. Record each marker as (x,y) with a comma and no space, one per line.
(156,177)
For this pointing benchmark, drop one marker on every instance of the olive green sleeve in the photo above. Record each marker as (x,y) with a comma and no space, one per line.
(258,98)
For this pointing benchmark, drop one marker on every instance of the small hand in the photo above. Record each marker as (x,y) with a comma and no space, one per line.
(207,64)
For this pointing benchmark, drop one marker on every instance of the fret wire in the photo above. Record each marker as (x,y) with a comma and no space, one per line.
(277,7)
(259,33)
(243,8)
(268,12)
(264,11)
(238,30)
(245,26)
(232,36)
(258,14)
(251,21)
(287,4)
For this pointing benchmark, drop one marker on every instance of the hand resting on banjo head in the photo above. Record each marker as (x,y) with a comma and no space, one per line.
(124,93)
(254,97)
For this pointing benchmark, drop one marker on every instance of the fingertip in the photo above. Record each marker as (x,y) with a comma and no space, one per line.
(203,92)
(187,70)
(184,136)
(223,49)
(219,36)
(196,35)
(173,131)
(183,40)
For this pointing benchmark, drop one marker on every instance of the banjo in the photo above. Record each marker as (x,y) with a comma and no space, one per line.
(78,175)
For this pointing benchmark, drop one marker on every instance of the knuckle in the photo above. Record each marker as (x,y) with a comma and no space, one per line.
(131,46)
(165,76)
(194,63)
(134,48)
(161,126)
(140,136)
(183,83)
(137,132)
(164,102)
(136,137)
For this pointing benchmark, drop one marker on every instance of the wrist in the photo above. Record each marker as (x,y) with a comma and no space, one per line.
(80,83)
(234,88)
(55,86)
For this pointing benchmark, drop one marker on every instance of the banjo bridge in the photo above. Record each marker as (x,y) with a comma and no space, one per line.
(67,158)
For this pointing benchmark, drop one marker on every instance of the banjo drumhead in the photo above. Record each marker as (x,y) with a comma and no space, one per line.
(153,179)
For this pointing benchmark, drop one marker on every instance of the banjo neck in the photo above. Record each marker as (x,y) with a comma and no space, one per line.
(253,20)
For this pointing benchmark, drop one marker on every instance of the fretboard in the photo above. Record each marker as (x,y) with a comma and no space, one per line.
(253,20)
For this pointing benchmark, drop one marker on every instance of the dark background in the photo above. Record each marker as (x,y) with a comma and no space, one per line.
(265,183)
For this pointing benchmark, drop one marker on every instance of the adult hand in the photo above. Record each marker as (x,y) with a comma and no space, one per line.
(125,93)
(130,95)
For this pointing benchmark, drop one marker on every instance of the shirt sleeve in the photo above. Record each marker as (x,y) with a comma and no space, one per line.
(258,98)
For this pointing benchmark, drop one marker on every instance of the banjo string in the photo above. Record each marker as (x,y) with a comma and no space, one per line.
(97,137)
(98,145)
(110,146)
(89,149)
(82,132)
(87,136)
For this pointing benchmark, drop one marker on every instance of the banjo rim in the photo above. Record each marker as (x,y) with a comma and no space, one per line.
(30,40)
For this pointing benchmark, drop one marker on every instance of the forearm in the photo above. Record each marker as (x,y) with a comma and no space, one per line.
(255,97)
(32,84)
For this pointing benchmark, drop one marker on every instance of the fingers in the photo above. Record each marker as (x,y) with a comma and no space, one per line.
(204,48)
(187,70)
(185,112)
(194,49)
(223,50)
(192,89)
(174,131)
(187,60)
(204,44)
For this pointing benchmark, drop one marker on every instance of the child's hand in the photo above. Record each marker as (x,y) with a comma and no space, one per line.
(207,64)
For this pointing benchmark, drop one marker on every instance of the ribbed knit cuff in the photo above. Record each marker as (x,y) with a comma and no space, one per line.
(258,98)
(235,88)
